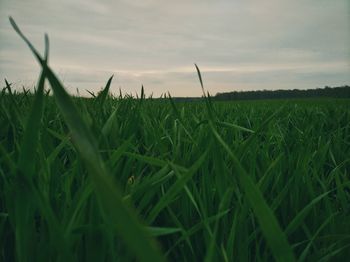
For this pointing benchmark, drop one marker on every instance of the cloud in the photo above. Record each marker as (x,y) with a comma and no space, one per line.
(237,44)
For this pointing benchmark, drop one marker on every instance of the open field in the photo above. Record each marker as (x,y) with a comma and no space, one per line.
(172,163)
(114,179)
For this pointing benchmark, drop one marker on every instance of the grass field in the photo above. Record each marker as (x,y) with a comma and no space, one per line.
(119,178)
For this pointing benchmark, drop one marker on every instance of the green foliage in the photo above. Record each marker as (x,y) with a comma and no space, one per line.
(123,179)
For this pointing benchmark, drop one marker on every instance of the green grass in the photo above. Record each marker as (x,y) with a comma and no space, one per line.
(119,178)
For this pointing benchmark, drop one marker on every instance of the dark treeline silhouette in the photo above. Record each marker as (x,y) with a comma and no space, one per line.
(331,92)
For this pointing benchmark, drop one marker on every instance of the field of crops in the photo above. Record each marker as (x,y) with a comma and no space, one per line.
(121,178)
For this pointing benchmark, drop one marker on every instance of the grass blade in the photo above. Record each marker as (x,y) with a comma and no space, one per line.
(272,231)
(104,93)
(122,217)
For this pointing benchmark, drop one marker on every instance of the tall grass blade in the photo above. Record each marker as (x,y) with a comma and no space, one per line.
(104,93)
(118,214)
(272,231)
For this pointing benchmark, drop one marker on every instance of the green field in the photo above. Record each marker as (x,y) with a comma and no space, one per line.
(120,178)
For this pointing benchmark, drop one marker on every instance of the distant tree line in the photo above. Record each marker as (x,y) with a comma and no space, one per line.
(333,92)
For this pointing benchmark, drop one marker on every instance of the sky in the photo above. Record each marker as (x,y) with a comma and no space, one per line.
(237,44)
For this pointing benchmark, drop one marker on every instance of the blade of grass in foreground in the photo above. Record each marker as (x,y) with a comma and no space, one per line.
(176,188)
(124,219)
(23,204)
(272,231)
(31,133)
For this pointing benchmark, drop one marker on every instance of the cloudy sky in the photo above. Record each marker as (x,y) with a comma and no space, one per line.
(238,44)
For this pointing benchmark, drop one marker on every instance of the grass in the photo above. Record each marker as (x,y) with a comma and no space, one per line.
(119,178)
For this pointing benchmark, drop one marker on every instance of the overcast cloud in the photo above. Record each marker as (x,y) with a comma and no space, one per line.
(238,45)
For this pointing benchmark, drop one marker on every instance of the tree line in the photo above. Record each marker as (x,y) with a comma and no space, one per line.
(332,92)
